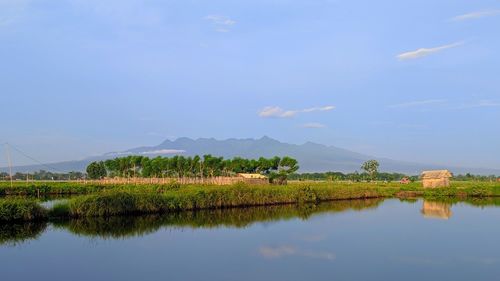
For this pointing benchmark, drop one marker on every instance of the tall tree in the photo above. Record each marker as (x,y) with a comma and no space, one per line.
(371,168)
(96,170)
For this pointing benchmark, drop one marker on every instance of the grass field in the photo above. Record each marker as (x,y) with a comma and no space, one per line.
(113,200)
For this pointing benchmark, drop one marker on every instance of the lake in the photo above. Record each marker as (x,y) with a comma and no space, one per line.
(345,240)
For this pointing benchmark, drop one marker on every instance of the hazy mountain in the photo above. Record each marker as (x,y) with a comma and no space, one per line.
(312,157)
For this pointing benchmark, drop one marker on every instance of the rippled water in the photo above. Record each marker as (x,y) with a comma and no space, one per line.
(346,240)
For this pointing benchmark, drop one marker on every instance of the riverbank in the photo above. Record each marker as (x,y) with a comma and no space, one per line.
(108,201)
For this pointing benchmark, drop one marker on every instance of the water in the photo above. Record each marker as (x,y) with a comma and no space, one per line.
(347,240)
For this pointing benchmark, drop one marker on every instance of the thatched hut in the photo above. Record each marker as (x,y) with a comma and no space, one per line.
(438,178)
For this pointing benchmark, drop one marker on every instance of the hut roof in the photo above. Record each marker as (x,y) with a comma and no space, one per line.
(437,174)
(251,176)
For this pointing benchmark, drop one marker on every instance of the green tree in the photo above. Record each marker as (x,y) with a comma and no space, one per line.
(371,168)
(287,166)
(96,170)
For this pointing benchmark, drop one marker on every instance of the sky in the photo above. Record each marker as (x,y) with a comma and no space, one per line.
(414,80)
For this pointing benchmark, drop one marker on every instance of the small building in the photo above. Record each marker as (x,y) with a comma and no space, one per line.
(437,178)
(253,178)
(405,180)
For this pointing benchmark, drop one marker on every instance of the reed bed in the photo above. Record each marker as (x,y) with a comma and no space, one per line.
(116,200)
(21,210)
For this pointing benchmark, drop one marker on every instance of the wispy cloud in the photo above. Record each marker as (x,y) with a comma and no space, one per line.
(481,103)
(422,52)
(151,152)
(218,19)
(417,103)
(164,151)
(283,251)
(278,112)
(313,125)
(476,15)
(222,23)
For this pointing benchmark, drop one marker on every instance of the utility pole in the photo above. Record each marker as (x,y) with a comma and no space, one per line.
(7,152)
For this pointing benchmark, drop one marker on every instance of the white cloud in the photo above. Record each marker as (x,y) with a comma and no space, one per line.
(313,125)
(151,152)
(417,103)
(476,15)
(164,151)
(422,52)
(283,251)
(278,112)
(222,23)
(220,20)
(481,103)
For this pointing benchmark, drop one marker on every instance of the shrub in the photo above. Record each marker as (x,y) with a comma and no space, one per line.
(21,210)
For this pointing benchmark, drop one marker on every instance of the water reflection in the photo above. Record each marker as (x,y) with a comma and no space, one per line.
(331,241)
(436,210)
(134,226)
(131,226)
(17,233)
(284,251)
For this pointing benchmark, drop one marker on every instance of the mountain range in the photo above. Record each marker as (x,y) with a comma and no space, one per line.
(312,157)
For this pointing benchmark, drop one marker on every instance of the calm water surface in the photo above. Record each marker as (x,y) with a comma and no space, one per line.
(347,240)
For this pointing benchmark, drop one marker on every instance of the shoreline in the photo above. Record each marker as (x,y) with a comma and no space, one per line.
(120,200)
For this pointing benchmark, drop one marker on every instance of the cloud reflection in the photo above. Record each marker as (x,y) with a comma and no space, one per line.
(286,250)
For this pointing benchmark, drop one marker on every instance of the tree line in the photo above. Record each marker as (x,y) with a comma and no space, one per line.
(197,167)
(43,175)
(355,176)
(381,176)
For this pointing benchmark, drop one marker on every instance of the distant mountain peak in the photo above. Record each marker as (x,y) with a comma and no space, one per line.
(312,157)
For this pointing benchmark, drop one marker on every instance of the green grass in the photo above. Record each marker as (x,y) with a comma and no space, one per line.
(21,210)
(116,200)
(49,188)
(134,201)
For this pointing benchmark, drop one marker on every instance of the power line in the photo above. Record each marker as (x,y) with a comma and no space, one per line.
(32,158)
(7,152)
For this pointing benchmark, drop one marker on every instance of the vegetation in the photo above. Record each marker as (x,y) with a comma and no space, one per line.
(353,177)
(380,176)
(114,200)
(202,167)
(50,188)
(371,168)
(96,170)
(43,175)
(21,210)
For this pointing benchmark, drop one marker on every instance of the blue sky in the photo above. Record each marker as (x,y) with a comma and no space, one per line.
(409,80)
